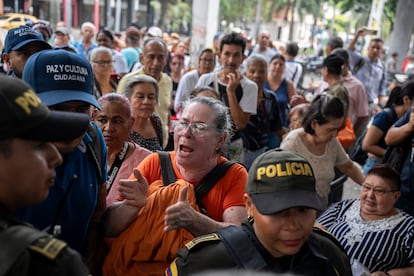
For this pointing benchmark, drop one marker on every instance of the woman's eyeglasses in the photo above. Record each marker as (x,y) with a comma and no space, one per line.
(377,191)
(197,129)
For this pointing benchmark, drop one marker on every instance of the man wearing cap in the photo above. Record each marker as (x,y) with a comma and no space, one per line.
(20,43)
(74,207)
(154,58)
(28,160)
(278,237)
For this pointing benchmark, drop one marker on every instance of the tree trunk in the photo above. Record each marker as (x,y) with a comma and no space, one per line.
(403,27)
(164,6)
(292,20)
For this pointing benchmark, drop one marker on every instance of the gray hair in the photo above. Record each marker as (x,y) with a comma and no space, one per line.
(90,25)
(138,79)
(256,58)
(223,122)
(100,49)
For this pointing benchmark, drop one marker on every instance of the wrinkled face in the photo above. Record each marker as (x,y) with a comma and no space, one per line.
(114,121)
(282,233)
(377,196)
(277,66)
(28,172)
(256,71)
(143,100)
(66,147)
(375,50)
(88,33)
(102,64)
(325,132)
(154,58)
(192,147)
(176,65)
(231,57)
(206,63)
(104,40)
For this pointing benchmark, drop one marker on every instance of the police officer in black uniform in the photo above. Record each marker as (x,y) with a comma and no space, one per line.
(27,170)
(279,237)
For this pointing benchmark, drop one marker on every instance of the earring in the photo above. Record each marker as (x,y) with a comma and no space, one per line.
(250,219)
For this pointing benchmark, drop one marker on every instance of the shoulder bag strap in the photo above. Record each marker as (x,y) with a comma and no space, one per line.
(167,170)
(209,180)
(15,240)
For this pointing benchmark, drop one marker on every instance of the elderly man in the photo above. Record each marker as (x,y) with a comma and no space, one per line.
(262,46)
(154,58)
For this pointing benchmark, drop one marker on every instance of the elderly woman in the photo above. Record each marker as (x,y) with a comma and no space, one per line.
(374,234)
(317,142)
(101,61)
(115,120)
(267,119)
(142,92)
(172,216)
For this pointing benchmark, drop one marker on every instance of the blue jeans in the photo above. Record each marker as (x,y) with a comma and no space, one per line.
(370,163)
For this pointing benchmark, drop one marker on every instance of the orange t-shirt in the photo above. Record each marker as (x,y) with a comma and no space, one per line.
(226,193)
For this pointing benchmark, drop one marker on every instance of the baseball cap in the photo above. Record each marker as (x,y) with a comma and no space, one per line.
(18,37)
(280,179)
(60,76)
(334,63)
(154,32)
(23,115)
(62,30)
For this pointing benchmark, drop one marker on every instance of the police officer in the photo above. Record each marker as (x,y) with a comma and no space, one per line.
(27,171)
(279,237)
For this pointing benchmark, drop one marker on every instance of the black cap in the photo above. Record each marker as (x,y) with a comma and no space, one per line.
(23,115)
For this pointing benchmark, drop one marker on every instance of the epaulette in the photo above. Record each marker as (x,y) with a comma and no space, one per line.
(326,234)
(202,239)
(48,246)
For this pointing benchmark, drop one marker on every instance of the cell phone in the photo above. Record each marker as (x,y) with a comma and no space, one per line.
(370,32)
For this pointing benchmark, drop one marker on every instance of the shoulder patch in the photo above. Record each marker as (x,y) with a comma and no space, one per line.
(199,240)
(48,247)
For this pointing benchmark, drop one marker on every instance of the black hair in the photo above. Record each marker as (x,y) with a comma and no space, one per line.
(277,56)
(233,38)
(342,53)
(206,50)
(377,39)
(292,49)
(107,33)
(397,94)
(387,172)
(6,147)
(321,109)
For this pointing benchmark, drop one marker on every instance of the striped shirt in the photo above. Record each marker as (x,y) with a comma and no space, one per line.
(379,245)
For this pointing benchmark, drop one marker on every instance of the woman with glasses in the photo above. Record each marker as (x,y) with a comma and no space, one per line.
(377,237)
(199,137)
(101,61)
(317,141)
(142,92)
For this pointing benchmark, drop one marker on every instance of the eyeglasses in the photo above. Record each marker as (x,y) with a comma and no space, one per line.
(102,62)
(377,191)
(207,60)
(197,129)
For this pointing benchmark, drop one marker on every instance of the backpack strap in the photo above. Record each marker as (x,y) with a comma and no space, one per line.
(243,248)
(94,150)
(358,66)
(167,170)
(208,182)
(14,241)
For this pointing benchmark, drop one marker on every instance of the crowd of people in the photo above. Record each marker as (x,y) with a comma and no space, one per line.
(153,166)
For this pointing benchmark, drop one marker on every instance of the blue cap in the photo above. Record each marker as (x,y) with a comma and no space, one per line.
(18,37)
(60,76)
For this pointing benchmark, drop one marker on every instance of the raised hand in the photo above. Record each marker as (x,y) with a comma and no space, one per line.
(134,191)
(180,214)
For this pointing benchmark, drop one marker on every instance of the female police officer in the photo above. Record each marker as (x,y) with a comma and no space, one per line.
(281,203)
